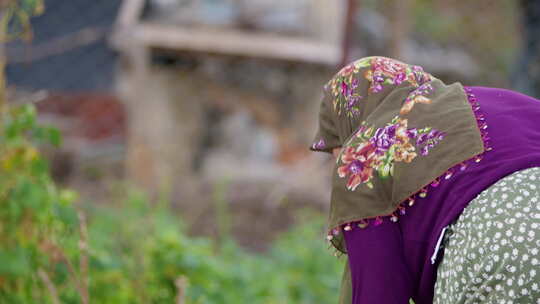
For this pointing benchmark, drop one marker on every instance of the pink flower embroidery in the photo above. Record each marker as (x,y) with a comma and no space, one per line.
(377,150)
(357,164)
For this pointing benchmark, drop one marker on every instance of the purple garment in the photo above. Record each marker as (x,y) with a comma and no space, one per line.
(391,263)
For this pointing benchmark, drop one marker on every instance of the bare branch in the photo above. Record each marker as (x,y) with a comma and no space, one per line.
(83,262)
(181,286)
(35,52)
(50,286)
(58,255)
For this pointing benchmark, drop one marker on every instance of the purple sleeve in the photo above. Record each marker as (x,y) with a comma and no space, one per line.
(379,272)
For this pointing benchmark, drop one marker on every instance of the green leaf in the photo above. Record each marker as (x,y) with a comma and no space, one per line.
(54,136)
(15,262)
(30,195)
(33,7)
(39,167)
(67,215)
(48,135)
(22,119)
(68,197)
(363,63)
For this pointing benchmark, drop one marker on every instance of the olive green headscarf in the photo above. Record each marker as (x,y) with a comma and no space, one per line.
(400,128)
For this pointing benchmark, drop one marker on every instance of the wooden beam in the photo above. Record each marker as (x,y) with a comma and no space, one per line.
(236,42)
(347,32)
(129,12)
(400,28)
(128,16)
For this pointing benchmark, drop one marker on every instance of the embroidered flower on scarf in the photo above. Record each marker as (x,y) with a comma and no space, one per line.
(358,164)
(382,72)
(321,144)
(344,88)
(386,71)
(377,150)
(416,96)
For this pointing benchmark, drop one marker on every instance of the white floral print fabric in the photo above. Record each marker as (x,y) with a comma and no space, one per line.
(492,253)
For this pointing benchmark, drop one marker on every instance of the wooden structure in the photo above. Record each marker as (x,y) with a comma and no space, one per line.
(130,31)
(163,121)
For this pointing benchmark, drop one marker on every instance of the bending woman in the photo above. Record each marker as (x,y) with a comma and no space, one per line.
(422,166)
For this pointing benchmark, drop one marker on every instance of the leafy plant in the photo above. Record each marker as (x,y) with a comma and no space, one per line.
(141,254)
(132,251)
(16,14)
(36,217)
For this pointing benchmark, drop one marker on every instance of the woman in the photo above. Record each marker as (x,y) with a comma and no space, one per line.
(421,164)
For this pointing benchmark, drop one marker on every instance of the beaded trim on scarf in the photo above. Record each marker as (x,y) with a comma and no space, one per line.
(422,193)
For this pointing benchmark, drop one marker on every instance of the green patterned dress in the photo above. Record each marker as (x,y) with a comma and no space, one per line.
(492,250)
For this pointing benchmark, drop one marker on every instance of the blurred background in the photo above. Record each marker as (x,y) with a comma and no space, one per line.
(173,135)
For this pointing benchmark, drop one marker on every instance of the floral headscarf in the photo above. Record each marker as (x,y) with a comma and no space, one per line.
(400,128)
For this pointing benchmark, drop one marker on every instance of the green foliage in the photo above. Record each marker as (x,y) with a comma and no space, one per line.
(16,16)
(140,251)
(136,251)
(34,213)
